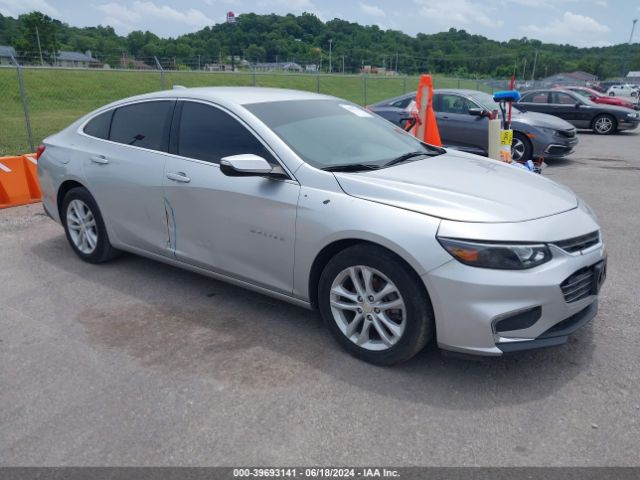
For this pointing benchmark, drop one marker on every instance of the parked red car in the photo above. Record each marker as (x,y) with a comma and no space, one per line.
(598,97)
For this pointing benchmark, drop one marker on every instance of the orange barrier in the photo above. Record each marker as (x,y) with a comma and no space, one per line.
(427,131)
(19,181)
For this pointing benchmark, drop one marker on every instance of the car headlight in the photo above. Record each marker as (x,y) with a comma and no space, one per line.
(550,131)
(501,256)
(632,115)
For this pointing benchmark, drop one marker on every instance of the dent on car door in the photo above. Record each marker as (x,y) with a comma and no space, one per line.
(239,226)
(125,174)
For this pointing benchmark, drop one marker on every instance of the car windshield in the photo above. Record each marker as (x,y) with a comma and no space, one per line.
(332,133)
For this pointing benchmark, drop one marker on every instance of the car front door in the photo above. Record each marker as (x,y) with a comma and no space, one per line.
(569,108)
(125,173)
(242,227)
(457,127)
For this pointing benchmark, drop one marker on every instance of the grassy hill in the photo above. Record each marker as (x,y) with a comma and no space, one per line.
(57,97)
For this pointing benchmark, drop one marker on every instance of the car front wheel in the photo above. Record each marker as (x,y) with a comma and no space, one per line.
(85,228)
(604,125)
(375,305)
(521,149)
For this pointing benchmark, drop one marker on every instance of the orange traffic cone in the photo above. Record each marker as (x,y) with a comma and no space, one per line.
(427,131)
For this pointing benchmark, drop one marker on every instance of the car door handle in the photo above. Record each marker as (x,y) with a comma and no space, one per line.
(178,177)
(101,159)
(443,117)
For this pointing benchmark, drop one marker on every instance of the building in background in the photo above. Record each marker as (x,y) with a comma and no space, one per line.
(6,52)
(231,17)
(632,77)
(570,78)
(76,60)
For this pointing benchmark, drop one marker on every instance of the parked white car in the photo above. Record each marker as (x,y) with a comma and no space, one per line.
(623,91)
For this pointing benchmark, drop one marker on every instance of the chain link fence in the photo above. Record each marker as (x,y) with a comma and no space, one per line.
(53,97)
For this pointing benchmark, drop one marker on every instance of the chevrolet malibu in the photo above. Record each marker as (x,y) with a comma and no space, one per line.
(315,201)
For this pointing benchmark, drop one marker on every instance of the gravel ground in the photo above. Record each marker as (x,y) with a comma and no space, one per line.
(137,363)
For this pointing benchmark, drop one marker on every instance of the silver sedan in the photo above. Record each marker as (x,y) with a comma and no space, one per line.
(315,201)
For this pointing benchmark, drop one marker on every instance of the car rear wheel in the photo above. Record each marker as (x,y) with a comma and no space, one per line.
(604,125)
(375,305)
(84,227)
(612,94)
(521,149)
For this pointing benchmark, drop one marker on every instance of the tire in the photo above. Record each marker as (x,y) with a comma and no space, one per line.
(604,124)
(79,209)
(411,327)
(521,144)
(612,94)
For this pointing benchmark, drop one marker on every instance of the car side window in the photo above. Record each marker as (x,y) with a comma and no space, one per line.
(539,97)
(455,104)
(404,103)
(99,125)
(143,124)
(560,98)
(208,133)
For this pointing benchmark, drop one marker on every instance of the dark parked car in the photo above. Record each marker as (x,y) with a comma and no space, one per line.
(580,111)
(462,117)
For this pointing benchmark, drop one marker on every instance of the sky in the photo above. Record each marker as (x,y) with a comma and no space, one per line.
(583,23)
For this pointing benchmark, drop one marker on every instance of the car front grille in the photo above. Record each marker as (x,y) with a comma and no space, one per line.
(576,244)
(579,285)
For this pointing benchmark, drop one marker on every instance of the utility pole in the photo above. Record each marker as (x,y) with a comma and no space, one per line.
(198,62)
(330,42)
(343,64)
(535,60)
(524,69)
(633,29)
(626,58)
(396,62)
(39,47)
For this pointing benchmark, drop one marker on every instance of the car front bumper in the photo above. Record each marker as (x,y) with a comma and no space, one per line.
(628,124)
(554,146)
(469,303)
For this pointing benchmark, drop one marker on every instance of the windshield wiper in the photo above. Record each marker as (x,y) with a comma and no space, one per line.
(351,167)
(405,157)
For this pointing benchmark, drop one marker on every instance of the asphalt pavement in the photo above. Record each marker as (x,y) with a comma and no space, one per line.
(135,362)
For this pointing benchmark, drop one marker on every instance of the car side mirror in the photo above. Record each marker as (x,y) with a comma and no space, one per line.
(477,112)
(578,104)
(245,165)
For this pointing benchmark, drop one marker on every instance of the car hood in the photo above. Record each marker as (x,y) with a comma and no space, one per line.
(462,187)
(536,119)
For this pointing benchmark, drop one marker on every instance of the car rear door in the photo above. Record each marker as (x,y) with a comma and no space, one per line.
(125,170)
(243,227)
(395,111)
(536,102)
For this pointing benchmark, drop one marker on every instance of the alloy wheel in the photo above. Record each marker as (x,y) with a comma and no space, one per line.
(82,226)
(517,149)
(368,308)
(603,125)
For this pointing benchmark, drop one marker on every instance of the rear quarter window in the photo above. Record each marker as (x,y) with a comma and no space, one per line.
(99,126)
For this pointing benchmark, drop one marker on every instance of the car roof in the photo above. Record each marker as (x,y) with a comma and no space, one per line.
(232,95)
